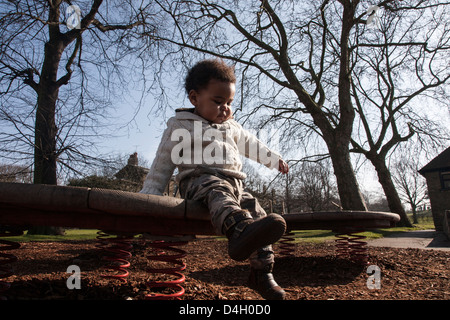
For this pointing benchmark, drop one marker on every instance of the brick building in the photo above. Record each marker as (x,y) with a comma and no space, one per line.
(437,174)
(132,172)
(135,175)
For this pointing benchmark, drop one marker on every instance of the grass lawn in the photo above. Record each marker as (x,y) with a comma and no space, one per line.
(70,234)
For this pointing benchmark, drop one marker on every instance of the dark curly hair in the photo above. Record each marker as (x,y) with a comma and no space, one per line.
(200,74)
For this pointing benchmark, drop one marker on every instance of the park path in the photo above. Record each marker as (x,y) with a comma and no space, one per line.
(420,239)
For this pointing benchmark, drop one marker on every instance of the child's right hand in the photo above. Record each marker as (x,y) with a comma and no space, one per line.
(283,167)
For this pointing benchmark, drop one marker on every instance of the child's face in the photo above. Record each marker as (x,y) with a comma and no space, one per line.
(213,103)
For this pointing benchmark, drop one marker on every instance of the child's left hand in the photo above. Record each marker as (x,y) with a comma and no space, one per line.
(283,167)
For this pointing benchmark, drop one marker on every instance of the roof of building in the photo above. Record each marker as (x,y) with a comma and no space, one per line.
(132,171)
(442,161)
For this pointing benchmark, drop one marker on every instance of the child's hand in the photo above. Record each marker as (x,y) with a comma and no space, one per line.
(283,166)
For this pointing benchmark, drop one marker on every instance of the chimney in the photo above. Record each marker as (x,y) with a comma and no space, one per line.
(133,159)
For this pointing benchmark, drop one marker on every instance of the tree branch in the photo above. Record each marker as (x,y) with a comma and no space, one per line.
(107,27)
(65,79)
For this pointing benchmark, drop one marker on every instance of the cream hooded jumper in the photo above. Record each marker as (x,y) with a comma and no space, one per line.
(190,141)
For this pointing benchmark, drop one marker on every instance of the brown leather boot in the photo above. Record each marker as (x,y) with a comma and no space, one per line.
(263,282)
(246,235)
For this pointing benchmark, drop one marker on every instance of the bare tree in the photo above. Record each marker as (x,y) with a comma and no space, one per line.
(287,50)
(402,64)
(15,173)
(411,186)
(302,62)
(61,64)
(309,187)
(316,189)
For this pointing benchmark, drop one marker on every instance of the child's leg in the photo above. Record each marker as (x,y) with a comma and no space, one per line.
(222,195)
(262,260)
(264,256)
(252,233)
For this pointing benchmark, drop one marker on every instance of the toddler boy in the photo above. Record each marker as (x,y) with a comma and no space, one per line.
(205,144)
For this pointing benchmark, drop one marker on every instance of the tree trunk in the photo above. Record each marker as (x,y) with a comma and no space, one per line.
(349,192)
(338,139)
(392,197)
(414,212)
(45,153)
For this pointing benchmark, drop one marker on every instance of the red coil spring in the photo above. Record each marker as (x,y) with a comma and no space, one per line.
(6,259)
(118,251)
(286,244)
(350,245)
(161,250)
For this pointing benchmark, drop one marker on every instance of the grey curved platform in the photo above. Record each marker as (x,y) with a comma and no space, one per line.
(119,211)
